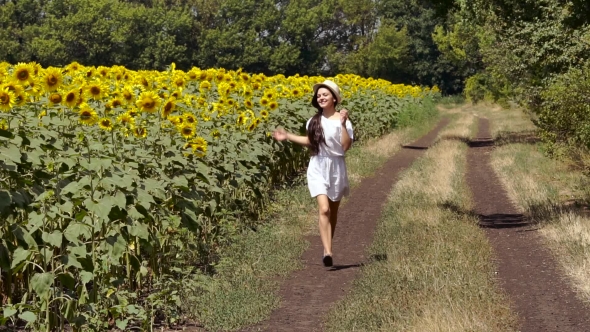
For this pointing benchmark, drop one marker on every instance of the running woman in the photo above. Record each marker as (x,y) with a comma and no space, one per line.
(329,136)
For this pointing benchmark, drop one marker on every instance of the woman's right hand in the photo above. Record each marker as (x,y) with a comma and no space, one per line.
(279,134)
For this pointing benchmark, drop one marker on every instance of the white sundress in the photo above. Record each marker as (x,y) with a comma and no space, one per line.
(326,173)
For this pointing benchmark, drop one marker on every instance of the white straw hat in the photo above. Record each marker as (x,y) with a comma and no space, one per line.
(329,85)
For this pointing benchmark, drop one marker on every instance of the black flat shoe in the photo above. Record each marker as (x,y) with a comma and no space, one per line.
(327,260)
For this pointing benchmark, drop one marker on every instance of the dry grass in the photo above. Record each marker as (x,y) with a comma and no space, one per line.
(436,274)
(549,191)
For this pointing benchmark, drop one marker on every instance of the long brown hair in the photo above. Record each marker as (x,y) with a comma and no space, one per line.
(315,132)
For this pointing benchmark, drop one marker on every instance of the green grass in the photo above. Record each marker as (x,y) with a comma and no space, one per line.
(244,289)
(432,265)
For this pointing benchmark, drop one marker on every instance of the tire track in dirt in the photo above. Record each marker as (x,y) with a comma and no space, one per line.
(542,298)
(308,293)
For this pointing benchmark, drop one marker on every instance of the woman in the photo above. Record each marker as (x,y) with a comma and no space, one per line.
(329,136)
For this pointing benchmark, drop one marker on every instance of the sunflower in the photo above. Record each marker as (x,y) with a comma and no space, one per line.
(264,101)
(198,145)
(256,86)
(264,114)
(193,74)
(242,119)
(215,134)
(116,102)
(13,87)
(190,118)
(71,98)
(176,120)
(34,88)
(231,102)
(252,126)
(127,95)
(219,76)
(96,91)
(273,105)
(168,108)
(52,79)
(3,124)
(105,124)
(187,130)
(205,85)
(248,93)
(200,150)
(55,98)
(248,103)
(201,101)
(179,81)
(126,119)
(23,72)
(90,72)
(103,71)
(7,100)
(296,92)
(233,84)
(87,115)
(140,132)
(245,77)
(176,94)
(73,67)
(269,94)
(148,101)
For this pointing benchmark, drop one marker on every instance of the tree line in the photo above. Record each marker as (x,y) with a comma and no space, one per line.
(390,39)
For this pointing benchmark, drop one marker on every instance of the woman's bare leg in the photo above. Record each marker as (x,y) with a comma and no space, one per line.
(334,215)
(324,223)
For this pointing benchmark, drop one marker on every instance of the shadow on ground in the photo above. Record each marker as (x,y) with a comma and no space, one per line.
(492,220)
(503,138)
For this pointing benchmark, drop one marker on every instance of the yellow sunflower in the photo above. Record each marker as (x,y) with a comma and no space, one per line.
(116,102)
(190,118)
(248,103)
(205,85)
(296,93)
(215,134)
(252,126)
(168,108)
(127,95)
(264,114)
(13,87)
(105,124)
(148,101)
(264,101)
(23,72)
(7,100)
(126,119)
(96,90)
(242,119)
(245,77)
(71,98)
(55,98)
(87,115)
(34,88)
(273,105)
(187,130)
(73,67)
(140,132)
(52,79)
(198,145)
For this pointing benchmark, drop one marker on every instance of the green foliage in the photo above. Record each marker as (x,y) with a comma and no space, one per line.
(564,115)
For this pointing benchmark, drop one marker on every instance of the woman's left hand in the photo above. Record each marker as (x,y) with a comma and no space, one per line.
(343,116)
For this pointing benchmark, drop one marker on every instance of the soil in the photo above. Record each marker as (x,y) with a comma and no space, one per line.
(308,294)
(526,270)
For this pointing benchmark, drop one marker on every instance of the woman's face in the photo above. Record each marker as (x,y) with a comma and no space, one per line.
(325,98)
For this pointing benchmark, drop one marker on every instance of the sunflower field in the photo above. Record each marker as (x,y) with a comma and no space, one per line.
(115,185)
